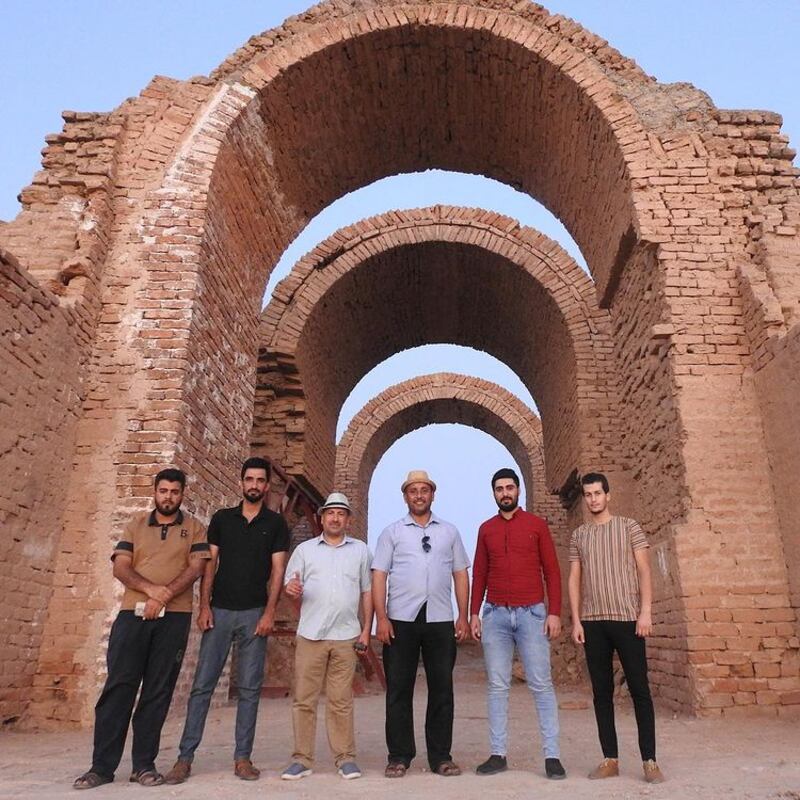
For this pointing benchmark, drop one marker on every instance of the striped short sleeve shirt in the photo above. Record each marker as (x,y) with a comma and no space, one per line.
(609,578)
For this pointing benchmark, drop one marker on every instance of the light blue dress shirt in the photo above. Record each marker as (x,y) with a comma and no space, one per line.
(334,578)
(417,577)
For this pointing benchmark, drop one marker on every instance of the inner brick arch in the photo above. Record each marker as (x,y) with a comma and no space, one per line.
(442,398)
(442,274)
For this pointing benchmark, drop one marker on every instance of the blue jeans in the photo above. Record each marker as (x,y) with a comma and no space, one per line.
(503,628)
(214,648)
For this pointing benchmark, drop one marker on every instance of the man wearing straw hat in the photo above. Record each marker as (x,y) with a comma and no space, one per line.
(420,556)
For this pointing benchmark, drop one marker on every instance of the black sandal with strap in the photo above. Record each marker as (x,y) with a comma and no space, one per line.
(147,777)
(395,769)
(90,780)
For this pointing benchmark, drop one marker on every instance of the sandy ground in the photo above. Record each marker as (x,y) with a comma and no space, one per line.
(757,759)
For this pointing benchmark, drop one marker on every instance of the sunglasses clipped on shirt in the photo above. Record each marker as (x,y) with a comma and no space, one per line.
(426,543)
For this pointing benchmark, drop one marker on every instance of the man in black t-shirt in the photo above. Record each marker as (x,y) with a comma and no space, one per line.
(239,592)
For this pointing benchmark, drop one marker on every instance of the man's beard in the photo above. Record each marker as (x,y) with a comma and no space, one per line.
(167,509)
(507,505)
(254,495)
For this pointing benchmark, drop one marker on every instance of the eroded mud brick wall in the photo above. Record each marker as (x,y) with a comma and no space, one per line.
(51,259)
(159,222)
(40,397)
(732,622)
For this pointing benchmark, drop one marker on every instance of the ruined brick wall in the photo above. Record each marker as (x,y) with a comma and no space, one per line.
(179,202)
(723,548)
(778,384)
(39,406)
(49,315)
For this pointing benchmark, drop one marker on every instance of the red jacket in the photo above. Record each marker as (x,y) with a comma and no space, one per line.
(510,558)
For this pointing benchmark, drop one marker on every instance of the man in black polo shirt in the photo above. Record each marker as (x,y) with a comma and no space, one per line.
(239,591)
(159,556)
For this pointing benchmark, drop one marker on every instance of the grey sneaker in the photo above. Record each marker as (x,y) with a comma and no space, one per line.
(350,771)
(295,771)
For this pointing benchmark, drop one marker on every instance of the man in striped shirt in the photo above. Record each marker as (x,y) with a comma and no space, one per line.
(610,595)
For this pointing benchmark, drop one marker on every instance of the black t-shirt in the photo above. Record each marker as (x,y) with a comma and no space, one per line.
(245,555)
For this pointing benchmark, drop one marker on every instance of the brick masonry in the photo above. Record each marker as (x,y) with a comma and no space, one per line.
(131,285)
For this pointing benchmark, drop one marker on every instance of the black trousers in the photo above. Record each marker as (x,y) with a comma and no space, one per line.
(436,642)
(146,652)
(603,637)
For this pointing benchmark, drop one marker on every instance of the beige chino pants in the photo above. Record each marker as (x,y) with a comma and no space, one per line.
(332,664)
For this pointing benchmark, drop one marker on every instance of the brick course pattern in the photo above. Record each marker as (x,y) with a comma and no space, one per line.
(133,275)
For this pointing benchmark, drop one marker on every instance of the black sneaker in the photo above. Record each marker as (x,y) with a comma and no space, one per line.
(554,770)
(492,765)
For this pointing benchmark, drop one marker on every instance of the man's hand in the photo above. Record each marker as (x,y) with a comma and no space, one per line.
(266,624)
(294,588)
(552,626)
(475,626)
(577,633)
(363,639)
(205,618)
(644,624)
(160,593)
(461,629)
(152,608)
(384,631)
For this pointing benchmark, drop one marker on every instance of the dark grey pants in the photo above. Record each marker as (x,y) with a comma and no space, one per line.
(140,652)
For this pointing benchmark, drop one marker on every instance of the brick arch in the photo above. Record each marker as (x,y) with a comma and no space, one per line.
(331,102)
(441,398)
(578,101)
(440,274)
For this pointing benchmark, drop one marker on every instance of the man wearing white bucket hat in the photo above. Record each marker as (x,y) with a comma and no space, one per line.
(330,576)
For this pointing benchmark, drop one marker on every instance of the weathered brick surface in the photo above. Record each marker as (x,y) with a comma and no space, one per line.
(40,395)
(672,368)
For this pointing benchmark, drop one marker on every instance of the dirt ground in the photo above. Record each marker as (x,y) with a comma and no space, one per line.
(756,758)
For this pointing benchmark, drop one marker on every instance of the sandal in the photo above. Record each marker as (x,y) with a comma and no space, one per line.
(90,780)
(448,769)
(147,777)
(395,769)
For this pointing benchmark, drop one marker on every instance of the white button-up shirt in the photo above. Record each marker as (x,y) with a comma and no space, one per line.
(334,578)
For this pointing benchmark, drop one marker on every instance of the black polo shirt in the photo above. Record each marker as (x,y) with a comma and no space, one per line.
(245,555)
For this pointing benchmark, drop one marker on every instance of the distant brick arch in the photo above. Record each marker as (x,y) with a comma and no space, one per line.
(382,285)
(441,398)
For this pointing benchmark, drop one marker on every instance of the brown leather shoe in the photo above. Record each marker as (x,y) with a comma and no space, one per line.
(179,773)
(607,768)
(243,768)
(652,774)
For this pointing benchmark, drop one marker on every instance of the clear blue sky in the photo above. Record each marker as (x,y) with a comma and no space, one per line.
(89,55)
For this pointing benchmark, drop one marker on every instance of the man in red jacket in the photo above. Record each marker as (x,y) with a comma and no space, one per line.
(514,560)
